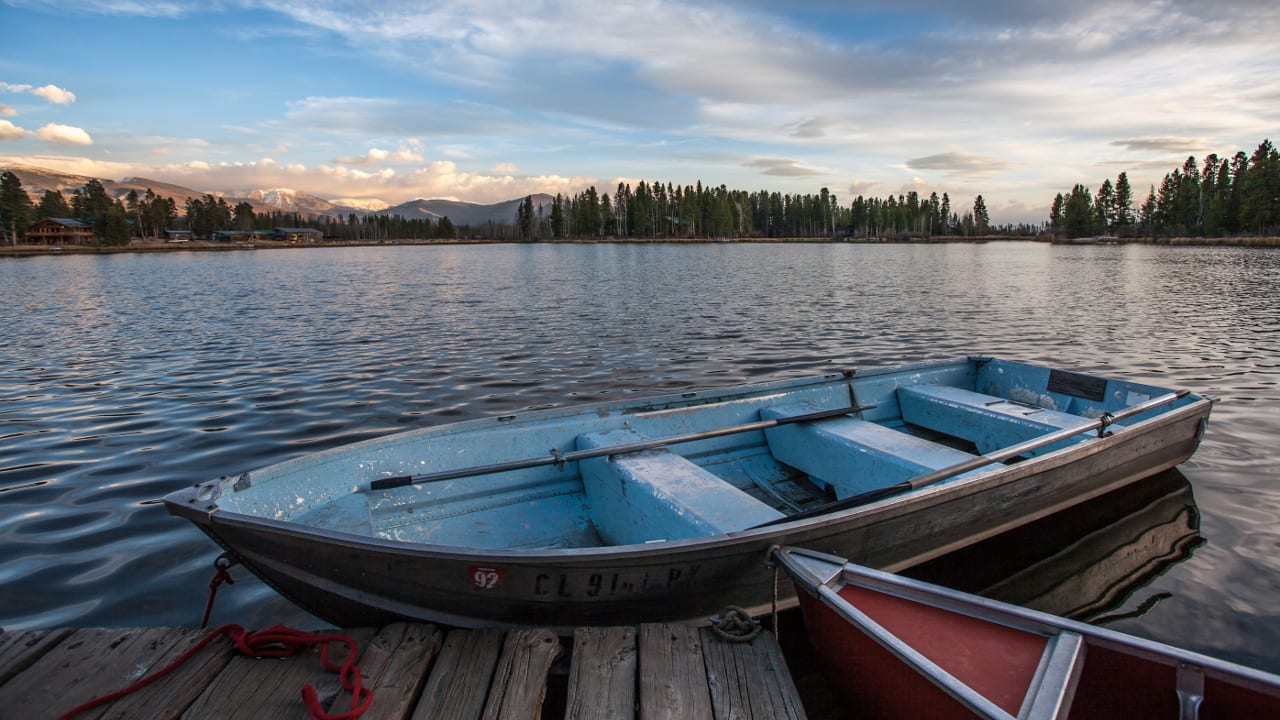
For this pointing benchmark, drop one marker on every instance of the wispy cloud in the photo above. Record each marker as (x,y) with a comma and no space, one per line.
(1163,144)
(814,127)
(782,167)
(392,117)
(960,163)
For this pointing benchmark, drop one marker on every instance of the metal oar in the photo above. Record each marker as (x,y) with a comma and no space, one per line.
(559,458)
(1001,455)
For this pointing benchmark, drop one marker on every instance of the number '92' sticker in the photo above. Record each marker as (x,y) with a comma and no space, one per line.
(485,578)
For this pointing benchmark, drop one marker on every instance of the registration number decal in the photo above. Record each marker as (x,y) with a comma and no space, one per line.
(485,578)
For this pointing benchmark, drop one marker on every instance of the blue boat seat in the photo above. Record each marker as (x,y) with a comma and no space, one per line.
(658,495)
(989,422)
(851,455)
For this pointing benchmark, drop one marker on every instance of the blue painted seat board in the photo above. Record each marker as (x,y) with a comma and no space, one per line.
(989,422)
(852,455)
(658,495)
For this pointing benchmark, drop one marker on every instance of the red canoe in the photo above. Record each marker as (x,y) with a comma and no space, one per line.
(900,648)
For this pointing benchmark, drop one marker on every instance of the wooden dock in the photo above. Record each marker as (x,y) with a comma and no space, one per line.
(415,671)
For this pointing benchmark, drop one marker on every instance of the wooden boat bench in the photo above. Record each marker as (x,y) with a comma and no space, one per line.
(656,494)
(989,422)
(851,455)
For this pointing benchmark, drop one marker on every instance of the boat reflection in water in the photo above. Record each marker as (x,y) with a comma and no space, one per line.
(1086,562)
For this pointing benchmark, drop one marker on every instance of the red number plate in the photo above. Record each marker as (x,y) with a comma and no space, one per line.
(485,578)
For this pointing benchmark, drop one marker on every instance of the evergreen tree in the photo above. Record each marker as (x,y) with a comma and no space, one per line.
(52,205)
(1104,208)
(1078,215)
(112,226)
(445,229)
(243,216)
(1147,214)
(981,221)
(1260,208)
(524,218)
(94,202)
(15,208)
(1122,205)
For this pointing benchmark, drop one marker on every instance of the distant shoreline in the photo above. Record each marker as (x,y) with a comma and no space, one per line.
(195,246)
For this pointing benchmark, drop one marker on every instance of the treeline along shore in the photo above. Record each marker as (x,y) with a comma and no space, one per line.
(1224,201)
(141,246)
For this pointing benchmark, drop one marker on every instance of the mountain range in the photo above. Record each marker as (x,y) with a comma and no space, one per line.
(36,181)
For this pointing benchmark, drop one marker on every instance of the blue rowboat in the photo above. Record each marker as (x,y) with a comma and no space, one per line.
(901,648)
(665,509)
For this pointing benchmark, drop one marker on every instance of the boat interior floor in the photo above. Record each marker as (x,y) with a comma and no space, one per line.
(658,493)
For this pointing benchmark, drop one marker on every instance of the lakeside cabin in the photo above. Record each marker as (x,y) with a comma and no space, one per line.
(296,235)
(241,236)
(60,231)
(177,236)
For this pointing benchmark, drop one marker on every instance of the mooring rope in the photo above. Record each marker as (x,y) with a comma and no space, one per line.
(274,642)
(735,625)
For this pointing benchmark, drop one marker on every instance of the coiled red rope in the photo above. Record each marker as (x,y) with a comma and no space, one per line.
(273,642)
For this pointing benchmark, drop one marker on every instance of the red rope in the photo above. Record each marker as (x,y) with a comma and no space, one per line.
(221,575)
(274,642)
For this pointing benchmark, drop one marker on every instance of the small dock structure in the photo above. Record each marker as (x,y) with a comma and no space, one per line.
(414,671)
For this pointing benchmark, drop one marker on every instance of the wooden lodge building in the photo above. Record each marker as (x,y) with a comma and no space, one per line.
(60,231)
(296,235)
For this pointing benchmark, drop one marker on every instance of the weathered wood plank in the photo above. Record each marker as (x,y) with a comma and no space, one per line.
(171,695)
(602,675)
(749,680)
(673,676)
(394,668)
(520,680)
(19,650)
(88,664)
(459,682)
(250,688)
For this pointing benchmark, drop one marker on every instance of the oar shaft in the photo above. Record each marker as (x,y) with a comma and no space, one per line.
(557,458)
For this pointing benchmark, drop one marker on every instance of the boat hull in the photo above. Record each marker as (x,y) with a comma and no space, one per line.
(898,648)
(352,579)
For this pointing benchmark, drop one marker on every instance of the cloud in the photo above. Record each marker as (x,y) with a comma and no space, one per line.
(64,135)
(360,117)
(52,93)
(7,111)
(505,169)
(1180,145)
(9,131)
(437,179)
(377,156)
(782,167)
(960,163)
(861,187)
(55,94)
(814,127)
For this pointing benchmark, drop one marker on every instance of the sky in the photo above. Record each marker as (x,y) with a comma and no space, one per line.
(383,102)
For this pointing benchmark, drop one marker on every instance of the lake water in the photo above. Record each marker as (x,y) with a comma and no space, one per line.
(124,377)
